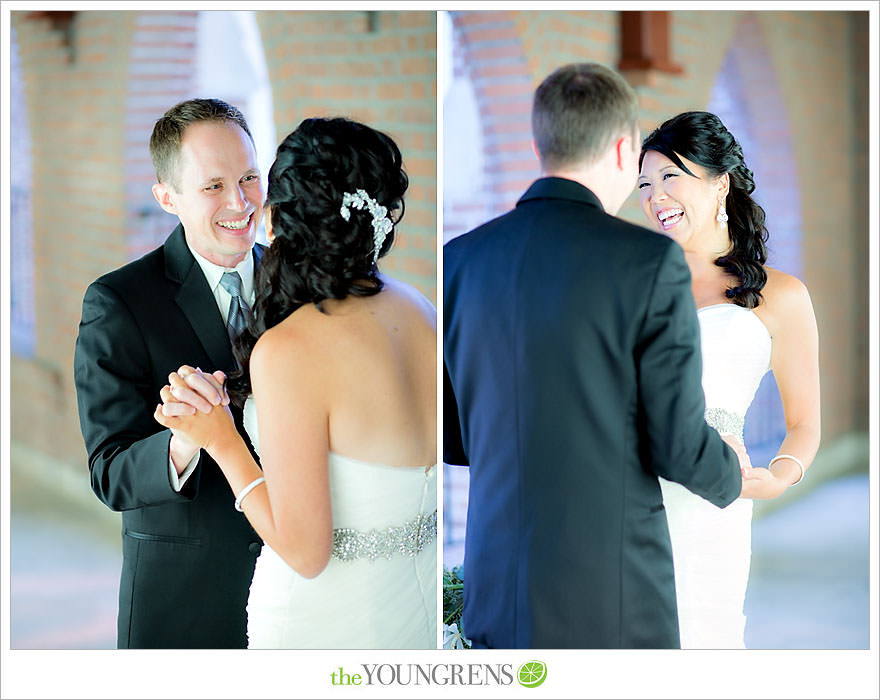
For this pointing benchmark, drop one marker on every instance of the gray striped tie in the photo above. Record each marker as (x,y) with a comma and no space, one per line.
(239,312)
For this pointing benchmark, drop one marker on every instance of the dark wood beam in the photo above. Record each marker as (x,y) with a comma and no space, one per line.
(644,42)
(62,22)
(372,21)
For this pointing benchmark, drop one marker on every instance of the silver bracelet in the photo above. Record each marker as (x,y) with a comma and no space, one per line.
(793,459)
(245,491)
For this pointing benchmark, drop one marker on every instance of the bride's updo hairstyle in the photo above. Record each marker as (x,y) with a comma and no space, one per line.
(703,139)
(316,253)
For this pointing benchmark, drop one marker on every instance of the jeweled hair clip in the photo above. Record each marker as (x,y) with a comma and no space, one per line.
(381,223)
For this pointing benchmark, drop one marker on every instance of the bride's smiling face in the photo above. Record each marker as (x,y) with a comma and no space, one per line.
(676,203)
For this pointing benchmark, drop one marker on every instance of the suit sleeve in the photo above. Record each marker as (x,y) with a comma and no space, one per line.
(453,447)
(128,450)
(680,446)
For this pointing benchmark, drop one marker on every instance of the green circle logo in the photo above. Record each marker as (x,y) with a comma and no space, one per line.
(532,673)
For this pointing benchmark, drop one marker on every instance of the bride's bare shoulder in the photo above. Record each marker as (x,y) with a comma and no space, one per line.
(784,298)
(783,288)
(313,332)
(291,336)
(407,294)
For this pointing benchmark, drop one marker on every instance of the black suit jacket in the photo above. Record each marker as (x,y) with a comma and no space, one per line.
(188,557)
(572,380)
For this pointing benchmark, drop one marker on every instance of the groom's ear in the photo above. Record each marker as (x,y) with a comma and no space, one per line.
(623,151)
(535,150)
(162,193)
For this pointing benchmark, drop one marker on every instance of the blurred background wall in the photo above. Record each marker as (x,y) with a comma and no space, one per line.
(86,88)
(791,86)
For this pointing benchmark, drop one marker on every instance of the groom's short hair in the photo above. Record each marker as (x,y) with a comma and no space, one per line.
(578,111)
(170,127)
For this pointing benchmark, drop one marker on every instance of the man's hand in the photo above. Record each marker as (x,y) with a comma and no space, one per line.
(194,390)
(745,464)
(181,451)
(191,390)
(757,482)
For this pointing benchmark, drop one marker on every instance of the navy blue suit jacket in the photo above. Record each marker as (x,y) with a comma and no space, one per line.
(572,381)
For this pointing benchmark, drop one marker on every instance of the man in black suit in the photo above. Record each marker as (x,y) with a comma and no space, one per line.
(188,555)
(572,381)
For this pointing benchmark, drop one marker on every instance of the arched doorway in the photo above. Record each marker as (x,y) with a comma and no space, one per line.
(747,97)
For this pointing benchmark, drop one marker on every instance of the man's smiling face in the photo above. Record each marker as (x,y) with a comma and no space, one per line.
(217,192)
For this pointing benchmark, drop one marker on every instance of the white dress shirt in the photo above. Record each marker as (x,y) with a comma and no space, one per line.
(213,273)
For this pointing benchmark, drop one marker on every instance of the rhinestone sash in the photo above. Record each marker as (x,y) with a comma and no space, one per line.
(408,539)
(725,421)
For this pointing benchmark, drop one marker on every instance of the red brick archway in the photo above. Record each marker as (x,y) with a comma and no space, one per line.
(162,73)
(493,56)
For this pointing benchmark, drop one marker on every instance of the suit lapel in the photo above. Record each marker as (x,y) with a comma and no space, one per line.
(196,300)
(200,308)
(258,255)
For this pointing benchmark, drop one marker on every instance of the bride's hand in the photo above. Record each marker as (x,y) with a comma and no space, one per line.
(197,389)
(762,483)
(204,429)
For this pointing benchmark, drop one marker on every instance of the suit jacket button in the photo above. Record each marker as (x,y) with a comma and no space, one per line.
(254,547)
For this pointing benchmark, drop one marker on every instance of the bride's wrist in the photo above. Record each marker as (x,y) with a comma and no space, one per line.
(224,446)
(785,472)
(793,466)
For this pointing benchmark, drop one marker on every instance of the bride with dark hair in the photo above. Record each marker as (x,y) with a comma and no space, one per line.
(338,382)
(695,188)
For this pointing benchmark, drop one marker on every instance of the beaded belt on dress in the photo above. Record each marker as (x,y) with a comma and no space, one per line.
(407,539)
(725,421)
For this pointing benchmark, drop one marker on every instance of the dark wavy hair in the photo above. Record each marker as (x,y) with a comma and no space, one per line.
(316,254)
(703,139)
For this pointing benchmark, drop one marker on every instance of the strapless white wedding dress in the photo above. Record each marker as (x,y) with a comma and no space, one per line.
(711,546)
(379,590)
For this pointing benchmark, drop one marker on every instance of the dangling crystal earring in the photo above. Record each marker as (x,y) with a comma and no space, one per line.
(721,218)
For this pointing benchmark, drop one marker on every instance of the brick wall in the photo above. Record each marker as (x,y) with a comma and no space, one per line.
(161,73)
(493,52)
(76,109)
(821,90)
(465,177)
(379,68)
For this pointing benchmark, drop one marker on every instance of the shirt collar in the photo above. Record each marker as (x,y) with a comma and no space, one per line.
(560,188)
(214,272)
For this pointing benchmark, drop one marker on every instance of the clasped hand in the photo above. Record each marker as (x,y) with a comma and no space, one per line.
(195,406)
(762,483)
(757,482)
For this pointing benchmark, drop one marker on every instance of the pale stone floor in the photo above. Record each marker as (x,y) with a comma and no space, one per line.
(809,585)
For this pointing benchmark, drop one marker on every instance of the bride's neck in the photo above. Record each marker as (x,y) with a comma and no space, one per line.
(702,265)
